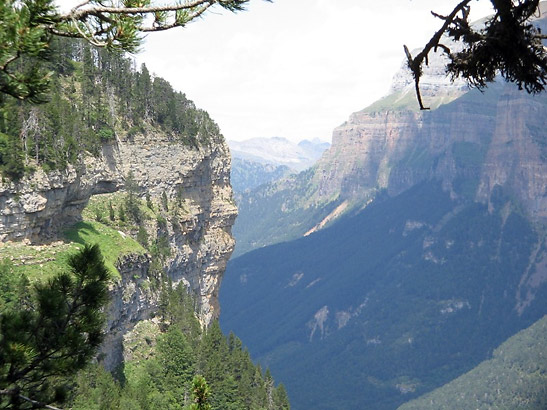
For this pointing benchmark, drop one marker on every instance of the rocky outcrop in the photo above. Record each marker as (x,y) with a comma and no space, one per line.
(516,158)
(200,237)
(474,143)
(132,300)
(38,207)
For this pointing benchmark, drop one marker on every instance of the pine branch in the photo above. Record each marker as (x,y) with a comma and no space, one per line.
(509,45)
(77,13)
(35,404)
(415,64)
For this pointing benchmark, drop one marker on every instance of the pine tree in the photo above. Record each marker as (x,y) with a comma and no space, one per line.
(121,213)
(55,334)
(281,399)
(200,394)
(176,359)
(111,213)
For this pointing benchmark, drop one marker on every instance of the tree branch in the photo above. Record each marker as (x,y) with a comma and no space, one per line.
(415,64)
(35,404)
(508,44)
(39,404)
(76,14)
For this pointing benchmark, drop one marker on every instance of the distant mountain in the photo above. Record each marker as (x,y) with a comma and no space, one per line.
(261,161)
(279,151)
(246,175)
(473,144)
(514,378)
(392,145)
(412,249)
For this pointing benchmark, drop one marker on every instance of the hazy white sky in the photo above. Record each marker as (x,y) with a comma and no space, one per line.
(293,68)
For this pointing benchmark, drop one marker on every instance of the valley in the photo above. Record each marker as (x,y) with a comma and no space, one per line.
(148,261)
(412,249)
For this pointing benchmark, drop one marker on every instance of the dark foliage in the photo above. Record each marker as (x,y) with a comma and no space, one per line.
(185,368)
(414,290)
(508,44)
(54,333)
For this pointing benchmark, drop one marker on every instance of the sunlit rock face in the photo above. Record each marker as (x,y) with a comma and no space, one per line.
(484,147)
(38,208)
(200,237)
(496,139)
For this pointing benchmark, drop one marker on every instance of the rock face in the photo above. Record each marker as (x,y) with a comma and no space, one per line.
(200,240)
(499,142)
(40,206)
(130,303)
(496,139)
(36,208)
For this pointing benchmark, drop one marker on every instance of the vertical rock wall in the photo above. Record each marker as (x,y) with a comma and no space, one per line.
(37,208)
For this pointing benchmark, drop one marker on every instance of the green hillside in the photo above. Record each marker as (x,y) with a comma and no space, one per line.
(277,212)
(514,378)
(97,98)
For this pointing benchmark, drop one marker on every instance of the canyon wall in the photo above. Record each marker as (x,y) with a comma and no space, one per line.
(495,139)
(40,206)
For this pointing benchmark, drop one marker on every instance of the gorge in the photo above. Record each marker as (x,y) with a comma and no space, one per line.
(413,248)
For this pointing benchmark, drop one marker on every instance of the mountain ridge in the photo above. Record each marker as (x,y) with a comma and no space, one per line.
(279,151)
(392,145)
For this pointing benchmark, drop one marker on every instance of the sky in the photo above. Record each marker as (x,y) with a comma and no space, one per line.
(292,68)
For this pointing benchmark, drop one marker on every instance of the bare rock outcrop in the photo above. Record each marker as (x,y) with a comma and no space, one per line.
(473,144)
(37,209)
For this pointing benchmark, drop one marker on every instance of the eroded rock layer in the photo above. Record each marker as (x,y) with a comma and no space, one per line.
(40,206)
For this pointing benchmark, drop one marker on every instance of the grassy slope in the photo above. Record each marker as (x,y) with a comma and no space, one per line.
(40,262)
(113,244)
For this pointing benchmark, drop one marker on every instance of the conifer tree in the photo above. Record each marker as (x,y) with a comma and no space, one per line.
(508,44)
(54,334)
(200,394)
(28,27)
(111,213)
(176,359)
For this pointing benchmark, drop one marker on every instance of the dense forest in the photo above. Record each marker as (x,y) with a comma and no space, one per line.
(168,357)
(513,378)
(95,96)
(161,372)
(414,291)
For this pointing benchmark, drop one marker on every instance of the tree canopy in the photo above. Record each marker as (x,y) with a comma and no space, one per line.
(29,25)
(508,44)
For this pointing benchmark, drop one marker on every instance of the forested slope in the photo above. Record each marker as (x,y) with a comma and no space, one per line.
(95,94)
(387,304)
(514,378)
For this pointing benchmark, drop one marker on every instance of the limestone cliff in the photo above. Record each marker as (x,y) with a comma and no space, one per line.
(37,209)
(200,238)
(495,139)
(484,147)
